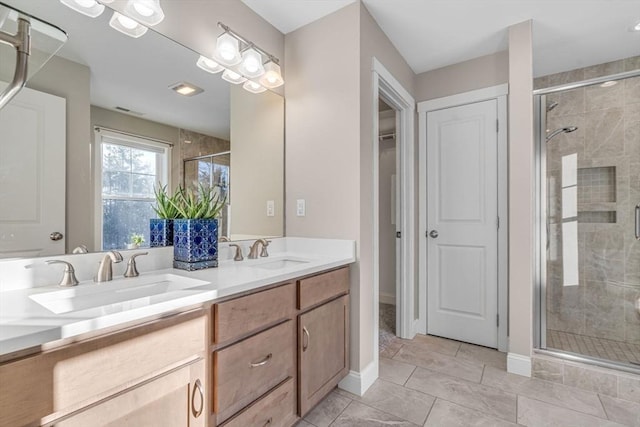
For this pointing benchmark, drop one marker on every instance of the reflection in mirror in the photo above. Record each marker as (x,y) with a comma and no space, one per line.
(110,97)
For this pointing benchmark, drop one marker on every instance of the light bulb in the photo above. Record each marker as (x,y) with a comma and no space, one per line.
(227,52)
(272,77)
(127,22)
(147,12)
(251,65)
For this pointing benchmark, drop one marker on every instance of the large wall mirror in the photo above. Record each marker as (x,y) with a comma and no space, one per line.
(124,129)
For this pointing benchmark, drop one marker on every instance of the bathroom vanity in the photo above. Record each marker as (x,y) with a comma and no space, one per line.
(260,348)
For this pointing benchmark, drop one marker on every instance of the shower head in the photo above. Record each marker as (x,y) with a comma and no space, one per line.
(567,129)
(552,105)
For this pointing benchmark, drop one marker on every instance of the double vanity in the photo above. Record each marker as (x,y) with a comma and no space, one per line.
(250,343)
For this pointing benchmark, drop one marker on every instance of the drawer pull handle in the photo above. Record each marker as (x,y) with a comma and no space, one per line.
(268,422)
(305,338)
(263,362)
(196,412)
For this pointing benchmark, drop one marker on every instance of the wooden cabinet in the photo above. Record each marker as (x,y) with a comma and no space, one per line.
(174,399)
(276,409)
(323,356)
(53,385)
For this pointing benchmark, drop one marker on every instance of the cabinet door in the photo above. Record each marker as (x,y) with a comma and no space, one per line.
(323,339)
(175,399)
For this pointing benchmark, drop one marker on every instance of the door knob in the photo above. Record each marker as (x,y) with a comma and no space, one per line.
(56,235)
(433,233)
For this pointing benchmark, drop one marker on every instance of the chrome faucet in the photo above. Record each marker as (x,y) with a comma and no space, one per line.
(105,272)
(253,250)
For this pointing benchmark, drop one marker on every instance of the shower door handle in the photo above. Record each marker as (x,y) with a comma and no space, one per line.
(638,221)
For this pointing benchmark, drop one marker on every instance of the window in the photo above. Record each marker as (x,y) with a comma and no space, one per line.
(127,170)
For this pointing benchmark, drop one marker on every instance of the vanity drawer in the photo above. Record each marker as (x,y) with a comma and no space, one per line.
(323,287)
(276,409)
(238,317)
(71,377)
(245,371)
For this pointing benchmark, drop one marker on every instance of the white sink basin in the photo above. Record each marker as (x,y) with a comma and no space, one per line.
(277,264)
(135,292)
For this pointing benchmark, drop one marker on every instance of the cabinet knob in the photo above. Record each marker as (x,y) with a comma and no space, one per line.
(197,387)
(305,338)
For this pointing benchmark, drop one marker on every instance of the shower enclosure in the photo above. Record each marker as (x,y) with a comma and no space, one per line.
(589,208)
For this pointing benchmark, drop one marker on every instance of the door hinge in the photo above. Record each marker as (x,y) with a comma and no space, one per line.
(497,125)
(398,234)
(497,320)
(498,223)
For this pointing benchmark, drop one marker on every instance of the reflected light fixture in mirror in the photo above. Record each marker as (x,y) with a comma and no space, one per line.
(209,65)
(227,50)
(251,65)
(127,26)
(147,12)
(272,77)
(90,8)
(233,77)
(253,87)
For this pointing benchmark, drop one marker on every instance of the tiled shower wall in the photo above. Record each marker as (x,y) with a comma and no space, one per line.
(607,144)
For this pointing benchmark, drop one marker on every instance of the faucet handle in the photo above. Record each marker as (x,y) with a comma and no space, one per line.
(69,276)
(264,252)
(132,269)
(238,256)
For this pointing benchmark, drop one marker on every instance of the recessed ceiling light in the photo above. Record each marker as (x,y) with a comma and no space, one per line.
(609,83)
(186,89)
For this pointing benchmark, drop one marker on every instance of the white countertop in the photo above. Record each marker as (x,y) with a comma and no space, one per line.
(26,326)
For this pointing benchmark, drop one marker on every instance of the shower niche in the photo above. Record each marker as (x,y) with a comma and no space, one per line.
(597,195)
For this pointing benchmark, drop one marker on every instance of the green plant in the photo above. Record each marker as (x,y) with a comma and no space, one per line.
(165,208)
(201,204)
(137,239)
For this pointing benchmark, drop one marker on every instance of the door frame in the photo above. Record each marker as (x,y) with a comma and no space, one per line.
(399,98)
(499,93)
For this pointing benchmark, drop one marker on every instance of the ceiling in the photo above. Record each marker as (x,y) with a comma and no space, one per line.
(431,34)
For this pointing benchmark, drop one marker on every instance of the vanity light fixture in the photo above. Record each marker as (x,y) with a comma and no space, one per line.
(272,77)
(209,65)
(147,12)
(253,87)
(127,26)
(233,77)
(186,89)
(227,50)
(89,8)
(251,65)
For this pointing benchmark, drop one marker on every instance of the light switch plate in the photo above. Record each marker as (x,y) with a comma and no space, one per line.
(301,209)
(271,209)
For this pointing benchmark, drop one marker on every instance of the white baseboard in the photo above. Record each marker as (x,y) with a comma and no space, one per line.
(519,364)
(387,298)
(359,382)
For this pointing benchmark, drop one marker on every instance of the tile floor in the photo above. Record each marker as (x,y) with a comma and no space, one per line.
(591,346)
(431,381)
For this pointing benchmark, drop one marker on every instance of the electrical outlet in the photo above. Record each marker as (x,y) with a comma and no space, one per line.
(271,209)
(301,209)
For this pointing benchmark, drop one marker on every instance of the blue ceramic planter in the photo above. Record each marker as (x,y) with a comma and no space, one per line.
(195,243)
(160,232)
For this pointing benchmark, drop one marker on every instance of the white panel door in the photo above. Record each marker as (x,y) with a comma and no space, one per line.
(462,211)
(32,175)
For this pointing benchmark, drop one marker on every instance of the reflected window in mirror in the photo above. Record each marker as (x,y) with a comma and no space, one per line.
(127,169)
(211,171)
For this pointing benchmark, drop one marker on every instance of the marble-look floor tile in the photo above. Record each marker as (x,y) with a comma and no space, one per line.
(327,410)
(391,348)
(622,411)
(448,414)
(433,343)
(478,354)
(394,371)
(489,400)
(360,415)
(303,423)
(535,413)
(556,394)
(548,370)
(439,362)
(629,387)
(591,379)
(410,405)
